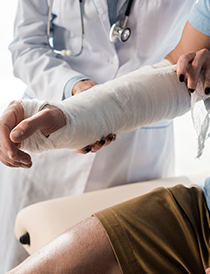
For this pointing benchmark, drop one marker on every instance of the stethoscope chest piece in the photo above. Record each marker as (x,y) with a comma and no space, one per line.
(119,33)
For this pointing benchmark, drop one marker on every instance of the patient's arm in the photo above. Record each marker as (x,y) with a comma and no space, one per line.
(120,105)
(141,97)
(134,100)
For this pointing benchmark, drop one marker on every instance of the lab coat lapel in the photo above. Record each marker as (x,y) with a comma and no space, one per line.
(102,10)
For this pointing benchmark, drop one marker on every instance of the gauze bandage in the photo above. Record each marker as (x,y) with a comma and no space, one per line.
(141,97)
(200,112)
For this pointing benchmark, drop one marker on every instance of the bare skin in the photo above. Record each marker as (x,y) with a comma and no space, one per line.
(83,86)
(189,65)
(70,253)
(192,56)
(83,249)
(10,154)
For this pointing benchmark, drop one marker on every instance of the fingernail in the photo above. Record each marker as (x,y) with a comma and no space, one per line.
(110,139)
(207,91)
(87,150)
(25,239)
(16,134)
(181,77)
(102,142)
(191,90)
(24,166)
(25,161)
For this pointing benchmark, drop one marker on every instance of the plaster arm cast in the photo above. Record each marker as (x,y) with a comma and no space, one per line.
(144,96)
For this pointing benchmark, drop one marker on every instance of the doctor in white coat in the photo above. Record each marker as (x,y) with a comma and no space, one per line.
(143,154)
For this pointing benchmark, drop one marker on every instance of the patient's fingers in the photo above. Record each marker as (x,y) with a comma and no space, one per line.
(48,120)
(207,271)
(22,159)
(97,145)
(10,118)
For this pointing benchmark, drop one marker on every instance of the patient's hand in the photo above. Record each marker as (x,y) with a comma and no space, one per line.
(14,129)
(189,67)
(10,155)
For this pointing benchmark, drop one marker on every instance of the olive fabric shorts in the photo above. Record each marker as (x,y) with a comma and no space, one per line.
(164,231)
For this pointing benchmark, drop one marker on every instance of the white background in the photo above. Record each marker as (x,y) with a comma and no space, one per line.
(12,88)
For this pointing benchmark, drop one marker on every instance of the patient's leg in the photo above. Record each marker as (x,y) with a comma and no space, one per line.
(83,249)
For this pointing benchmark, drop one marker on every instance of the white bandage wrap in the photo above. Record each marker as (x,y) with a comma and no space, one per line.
(141,97)
(200,112)
(38,142)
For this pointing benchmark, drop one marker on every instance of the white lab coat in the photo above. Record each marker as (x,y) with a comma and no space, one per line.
(142,154)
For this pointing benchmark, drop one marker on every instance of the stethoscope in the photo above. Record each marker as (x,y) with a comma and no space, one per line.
(118,31)
(64,52)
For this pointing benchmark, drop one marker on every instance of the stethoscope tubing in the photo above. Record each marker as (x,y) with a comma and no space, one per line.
(66,52)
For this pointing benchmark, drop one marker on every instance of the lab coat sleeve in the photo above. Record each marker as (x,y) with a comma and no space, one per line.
(34,62)
(70,84)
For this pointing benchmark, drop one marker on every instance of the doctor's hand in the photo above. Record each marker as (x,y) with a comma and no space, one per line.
(14,129)
(190,66)
(83,86)
(97,145)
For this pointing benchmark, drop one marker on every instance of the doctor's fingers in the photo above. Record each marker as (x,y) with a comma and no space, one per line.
(199,70)
(97,145)
(48,120)
(103,142)
(193,67)
(183,65)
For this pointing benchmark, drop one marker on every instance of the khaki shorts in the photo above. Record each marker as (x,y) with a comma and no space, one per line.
(165,231)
